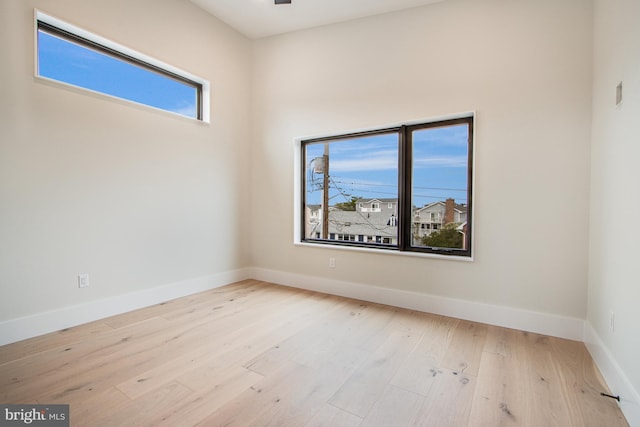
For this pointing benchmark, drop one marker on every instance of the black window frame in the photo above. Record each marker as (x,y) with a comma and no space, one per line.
(405,208)
(43,26)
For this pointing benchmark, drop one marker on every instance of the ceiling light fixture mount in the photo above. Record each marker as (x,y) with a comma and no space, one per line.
(283,1)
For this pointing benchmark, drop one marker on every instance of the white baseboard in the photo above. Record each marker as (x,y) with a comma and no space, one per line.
(613,375)
(50,321)
(530,321)
(543,323)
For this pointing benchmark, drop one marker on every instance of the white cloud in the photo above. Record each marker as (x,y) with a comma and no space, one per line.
(388,160)
(373,161)
(442,162)
(185,110)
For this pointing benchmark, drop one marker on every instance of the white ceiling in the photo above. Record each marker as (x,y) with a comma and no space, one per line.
(262,18)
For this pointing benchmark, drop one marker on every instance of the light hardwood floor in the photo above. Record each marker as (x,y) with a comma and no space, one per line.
(257,354)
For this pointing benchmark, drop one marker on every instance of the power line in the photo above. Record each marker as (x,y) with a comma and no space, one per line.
(375,227)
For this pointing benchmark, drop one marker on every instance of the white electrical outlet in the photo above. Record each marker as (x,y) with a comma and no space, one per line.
(83,280)
(332,262)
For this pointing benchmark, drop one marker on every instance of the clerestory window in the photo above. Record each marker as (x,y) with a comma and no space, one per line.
(72,56)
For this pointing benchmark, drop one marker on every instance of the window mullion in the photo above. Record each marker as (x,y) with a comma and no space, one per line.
(404,189)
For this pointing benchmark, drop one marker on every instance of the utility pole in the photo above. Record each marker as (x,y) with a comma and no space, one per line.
(325,192)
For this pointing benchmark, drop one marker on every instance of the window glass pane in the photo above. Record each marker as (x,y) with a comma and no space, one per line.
(66,61)
(357,195)
(439,190)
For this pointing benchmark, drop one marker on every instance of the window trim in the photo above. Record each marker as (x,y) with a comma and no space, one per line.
(72,33)
(402,249)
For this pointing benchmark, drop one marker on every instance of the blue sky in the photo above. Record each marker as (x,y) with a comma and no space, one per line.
(367,167)
(71,63)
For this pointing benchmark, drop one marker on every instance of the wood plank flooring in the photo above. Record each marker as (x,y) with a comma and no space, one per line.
(258,354)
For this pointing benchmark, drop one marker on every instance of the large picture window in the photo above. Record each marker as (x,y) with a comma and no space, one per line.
(407,188)
(75,57)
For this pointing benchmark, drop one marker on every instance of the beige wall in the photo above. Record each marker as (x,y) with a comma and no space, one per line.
(524,66)
(615,199)
(134,197)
